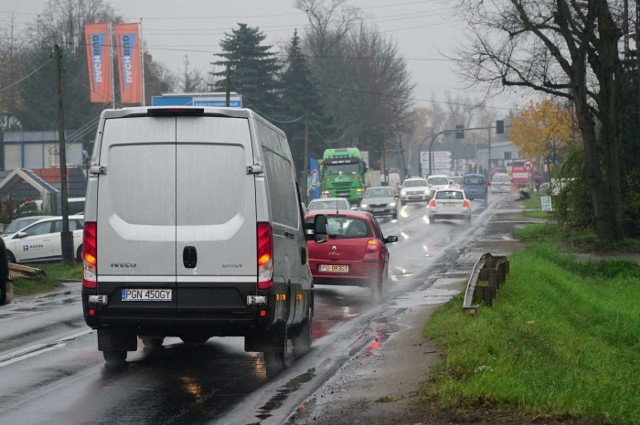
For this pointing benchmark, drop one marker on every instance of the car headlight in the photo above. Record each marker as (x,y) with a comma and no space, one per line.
(392,204)
(364,206)
(427,192)
(403,192)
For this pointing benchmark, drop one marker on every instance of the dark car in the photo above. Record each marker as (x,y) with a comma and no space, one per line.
(474,186)
(355,253)
(380,201)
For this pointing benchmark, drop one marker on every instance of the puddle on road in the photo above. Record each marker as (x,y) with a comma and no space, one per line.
(282,394)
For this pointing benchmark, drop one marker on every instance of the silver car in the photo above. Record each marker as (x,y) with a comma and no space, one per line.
(449,203)
(329,204)
(380,201)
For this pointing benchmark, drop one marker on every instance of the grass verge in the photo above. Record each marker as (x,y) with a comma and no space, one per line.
(561,339)
(55,273)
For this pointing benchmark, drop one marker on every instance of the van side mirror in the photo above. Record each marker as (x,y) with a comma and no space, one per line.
(317,231)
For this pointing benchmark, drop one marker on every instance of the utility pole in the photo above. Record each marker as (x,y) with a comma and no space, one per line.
(66,239)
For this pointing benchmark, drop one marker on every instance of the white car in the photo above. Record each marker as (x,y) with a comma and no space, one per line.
(40,241)
(329,204)
(414,189)
(437,182)
(449,203)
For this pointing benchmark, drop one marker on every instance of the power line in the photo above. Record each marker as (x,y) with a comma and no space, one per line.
(25,77)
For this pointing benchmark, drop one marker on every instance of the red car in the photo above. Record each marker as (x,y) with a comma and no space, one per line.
(355,252)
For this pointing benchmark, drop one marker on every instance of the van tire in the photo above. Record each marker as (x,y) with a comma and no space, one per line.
(303,336)
(10,257)
(115,356)
(275,357)
(79,253)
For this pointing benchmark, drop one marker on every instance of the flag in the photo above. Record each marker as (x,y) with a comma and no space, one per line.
(129,62)
(98,41)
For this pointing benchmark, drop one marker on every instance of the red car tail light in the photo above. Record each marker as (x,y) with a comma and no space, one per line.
(90,254)
(432,203)
(265,256)
(373,245)
(465,204)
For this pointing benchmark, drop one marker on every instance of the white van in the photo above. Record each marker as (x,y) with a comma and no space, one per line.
(194,228)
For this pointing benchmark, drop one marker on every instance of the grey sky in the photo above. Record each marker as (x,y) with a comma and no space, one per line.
(425,31)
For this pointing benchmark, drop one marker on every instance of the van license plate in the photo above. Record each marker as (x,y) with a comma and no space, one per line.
(146,295)
(333,268)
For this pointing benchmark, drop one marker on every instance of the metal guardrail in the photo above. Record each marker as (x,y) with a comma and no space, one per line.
(488,268)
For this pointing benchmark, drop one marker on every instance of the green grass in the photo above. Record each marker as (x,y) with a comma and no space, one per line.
(54,274)
(561,338)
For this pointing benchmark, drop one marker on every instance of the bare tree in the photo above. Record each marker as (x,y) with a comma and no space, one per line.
(567,49)
(363,79)
(192,80)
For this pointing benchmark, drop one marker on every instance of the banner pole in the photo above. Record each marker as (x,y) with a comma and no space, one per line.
(113,79)
(144,99)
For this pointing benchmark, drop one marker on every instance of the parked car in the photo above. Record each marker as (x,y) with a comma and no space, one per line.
(414,189)
(41,241)
(355,253)
(437,181)
(474,186)
(22,222)
(500,183)
(329,204)
(449,203)
(380,201)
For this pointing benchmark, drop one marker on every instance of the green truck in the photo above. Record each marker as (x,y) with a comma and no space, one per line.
(343,174)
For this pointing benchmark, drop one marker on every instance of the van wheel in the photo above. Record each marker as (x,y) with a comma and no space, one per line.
(79,253)
(115,356)
(275,357)
(10,257)
(303,338)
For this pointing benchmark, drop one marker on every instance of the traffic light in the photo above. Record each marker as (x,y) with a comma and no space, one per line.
(459,131)
(499,127)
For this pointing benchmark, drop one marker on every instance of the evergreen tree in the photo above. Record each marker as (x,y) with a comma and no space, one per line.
(301,101)
(252,69)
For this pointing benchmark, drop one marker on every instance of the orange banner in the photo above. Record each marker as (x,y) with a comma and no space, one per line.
(98,41)
(129,62)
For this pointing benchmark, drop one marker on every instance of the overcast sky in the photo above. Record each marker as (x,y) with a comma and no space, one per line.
(425,32)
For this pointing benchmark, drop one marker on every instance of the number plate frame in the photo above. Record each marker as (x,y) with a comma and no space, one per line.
(333,268)
(146,295)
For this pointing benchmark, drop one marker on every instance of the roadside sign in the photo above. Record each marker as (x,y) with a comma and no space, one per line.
(545,203)
(528,165)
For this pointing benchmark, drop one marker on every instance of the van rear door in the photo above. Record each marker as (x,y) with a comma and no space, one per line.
(216,235)
(136,214)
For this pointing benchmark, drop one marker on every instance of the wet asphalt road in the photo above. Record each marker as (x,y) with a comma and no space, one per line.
(51,371)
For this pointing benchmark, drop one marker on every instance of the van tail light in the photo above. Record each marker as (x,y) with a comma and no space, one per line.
(465,204)
(373,245)
(265,256)
(461,185)
(432,203)
(90,254)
